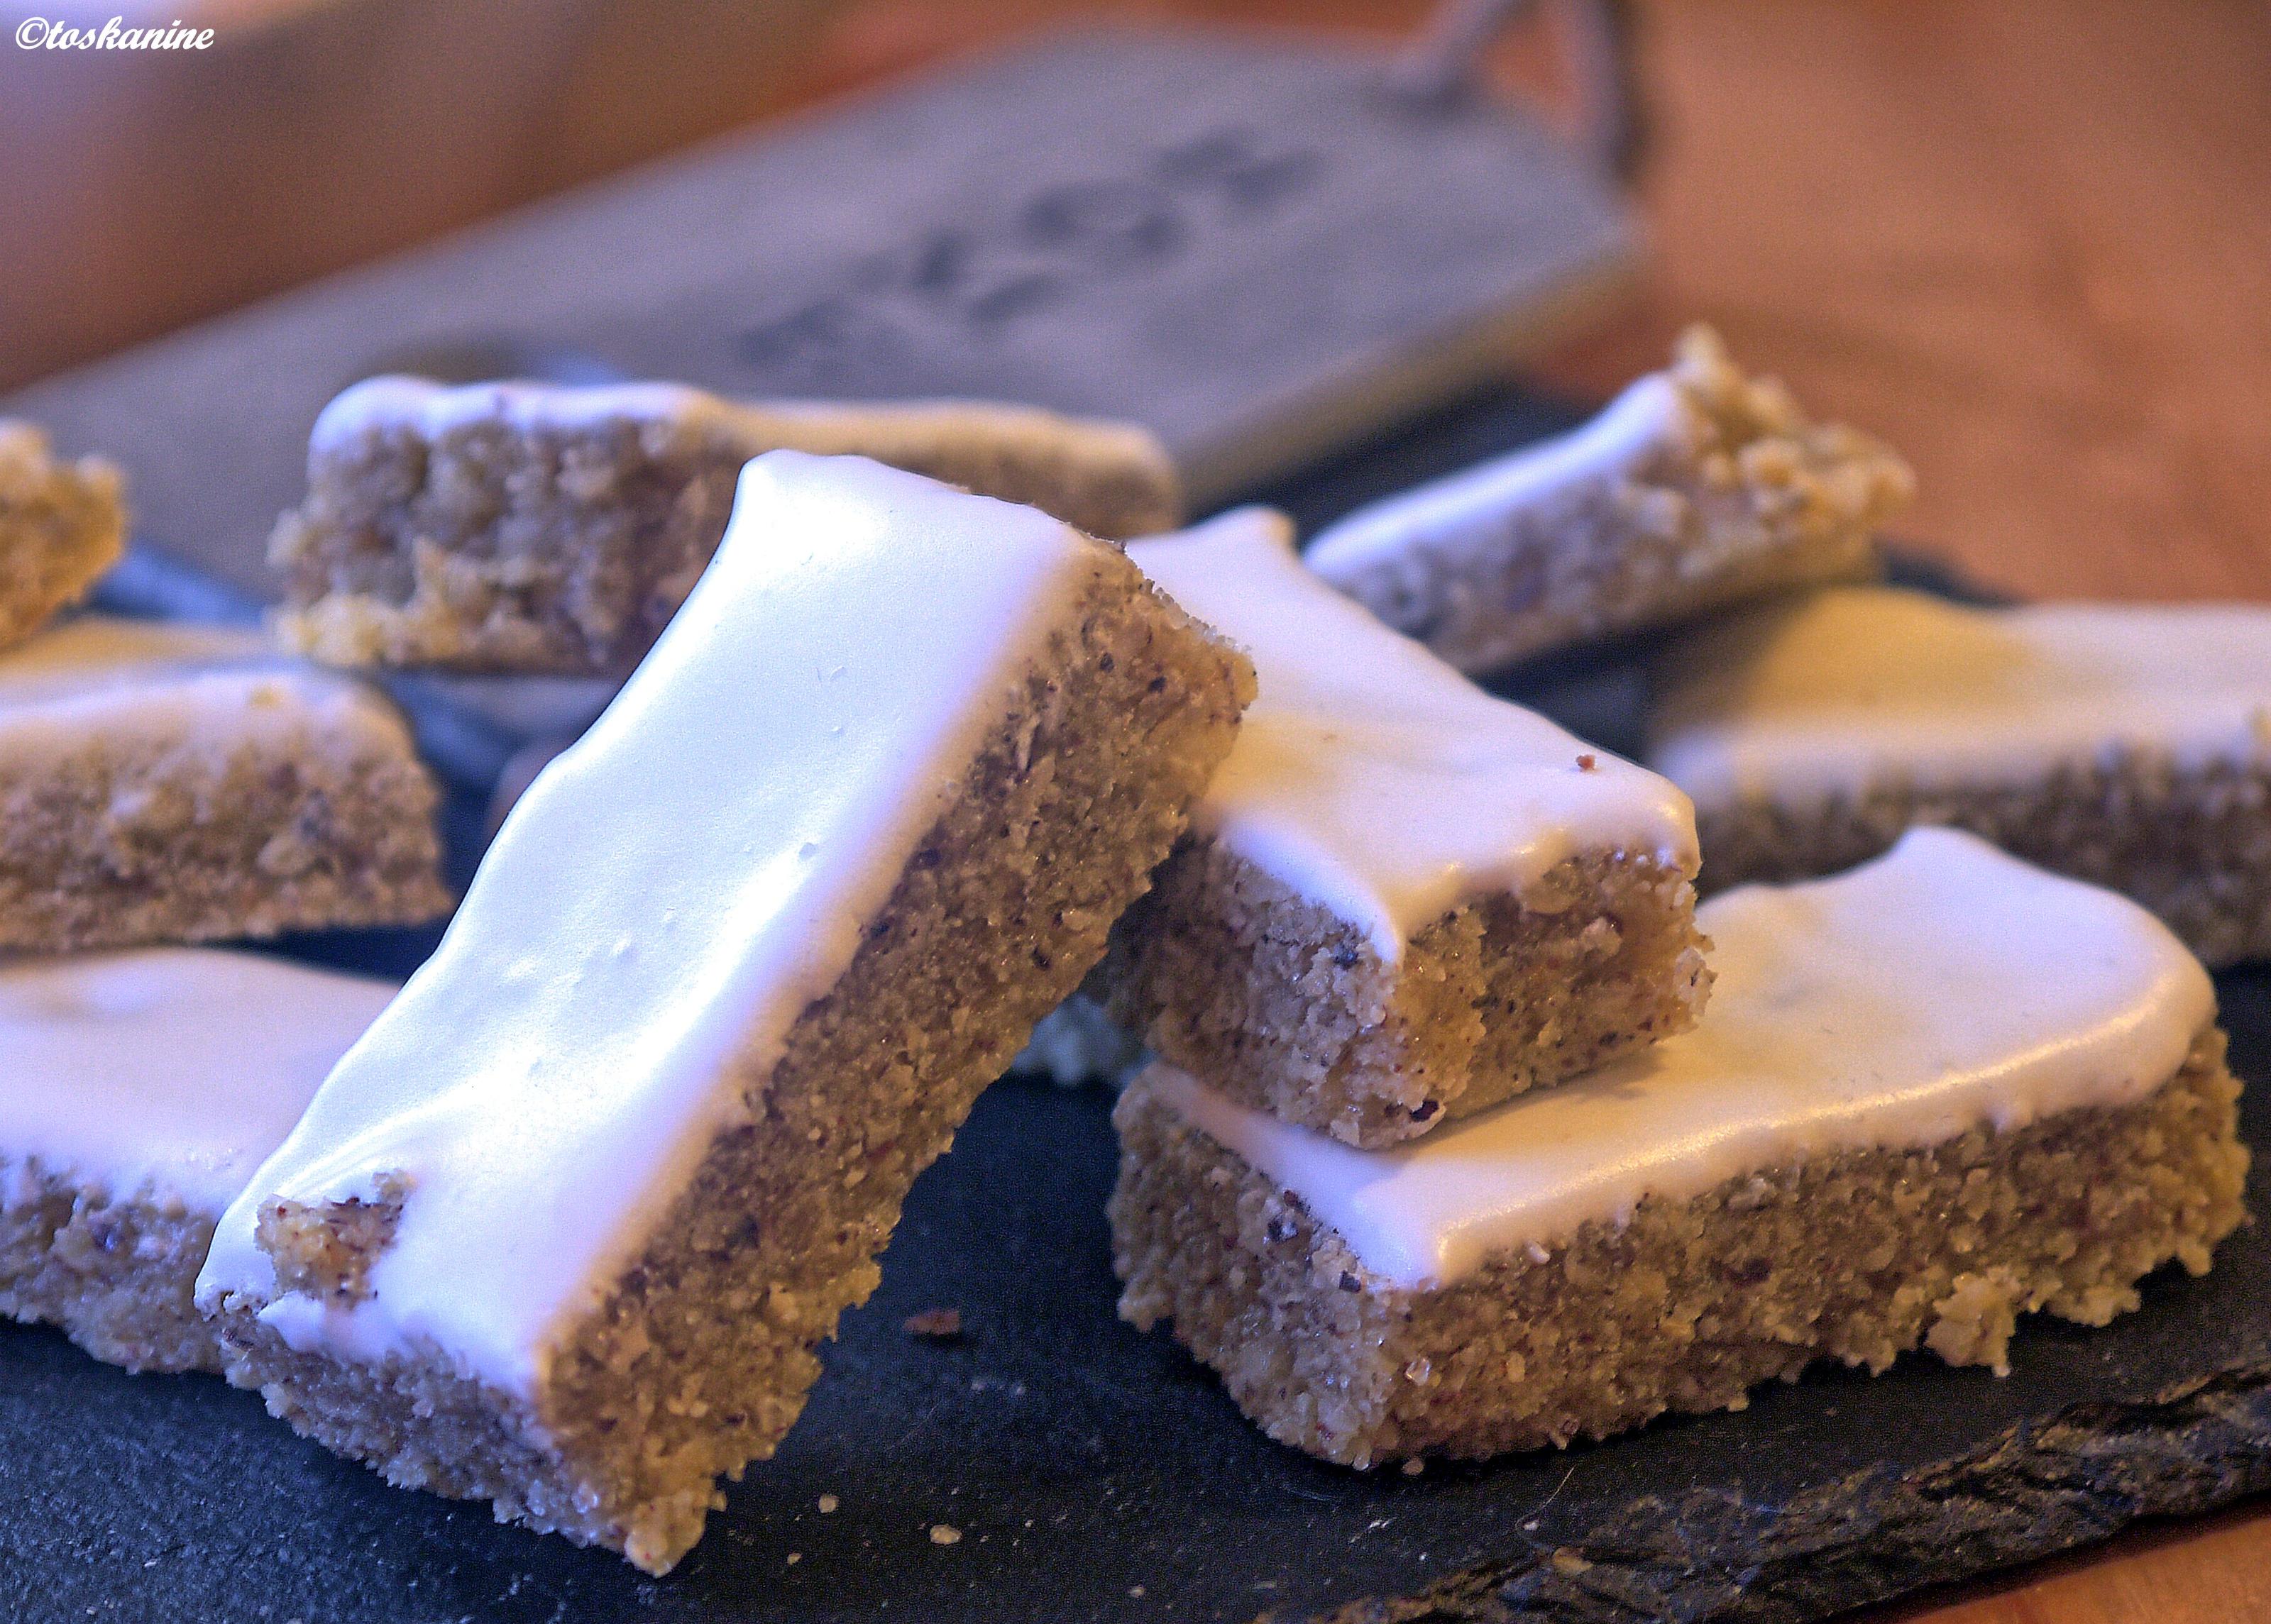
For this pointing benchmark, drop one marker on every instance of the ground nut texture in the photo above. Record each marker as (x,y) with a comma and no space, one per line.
(62,524)
(2193,845)
(699,1357)
(524,543)
(1281,1004)
(157,827)
(1857,1257)
(1744,495)
(116,1272)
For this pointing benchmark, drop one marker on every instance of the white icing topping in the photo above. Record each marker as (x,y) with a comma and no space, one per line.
(171,680)
(1466,513)
(662,905)
(1371,777)
(876,429)
(1941,986)
(1850,687)
(168,1071)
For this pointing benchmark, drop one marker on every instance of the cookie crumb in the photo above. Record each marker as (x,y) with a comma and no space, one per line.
(935,1324)
(945,1533)
(828,1503)
(794,1557)
(1413,1467)
(1589,763)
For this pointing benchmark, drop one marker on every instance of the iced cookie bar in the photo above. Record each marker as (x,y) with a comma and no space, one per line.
(1402,900)
(138,1091)
(564,1230)
(165,783)
(1930,1095)
(1696,487)
(546,528)
(2126,745)
(62,524)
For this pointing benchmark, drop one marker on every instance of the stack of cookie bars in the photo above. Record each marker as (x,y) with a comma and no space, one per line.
(1345,1183)
(164,785)
(1461,1127)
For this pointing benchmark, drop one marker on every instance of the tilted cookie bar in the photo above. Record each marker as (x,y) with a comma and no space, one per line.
(138,1091)
(553,530)
(1696,487)
(162,782)
(62,524)
(2126,745)
(1402,900)
(564,1230)
(1929,1096)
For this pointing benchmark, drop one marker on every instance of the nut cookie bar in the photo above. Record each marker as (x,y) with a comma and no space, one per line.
(1929,1096)
(1698,487)
(553,529)
(1402,900)
(564,1230)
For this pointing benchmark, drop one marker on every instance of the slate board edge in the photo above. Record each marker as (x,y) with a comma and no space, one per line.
(2040,1488)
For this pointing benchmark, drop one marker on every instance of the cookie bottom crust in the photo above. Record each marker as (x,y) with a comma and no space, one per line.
(112,845)
(566,550)
(116,1273)
(1281,1004)
(2192,845)
(1858,1255)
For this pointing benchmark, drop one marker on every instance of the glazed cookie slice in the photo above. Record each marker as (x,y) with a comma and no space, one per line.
(540,528)
(138,1091)
(2126,745)
(1402,900)
(564,1230)
(62,524)
(163,782)
(1929,1096)
(1696,487)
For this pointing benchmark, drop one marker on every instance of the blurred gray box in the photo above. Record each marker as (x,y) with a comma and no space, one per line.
(1242,240)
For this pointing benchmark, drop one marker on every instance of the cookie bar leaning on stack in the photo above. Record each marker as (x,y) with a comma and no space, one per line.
(62,524)
(1402,900)
(565,1229)
(1696,487)
(1930,1095)
(546,529)
(162,782)
(138,1091)
(2126,745)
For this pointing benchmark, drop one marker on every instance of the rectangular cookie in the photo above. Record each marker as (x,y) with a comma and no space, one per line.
(62,524)
(1930,1095)
(138,1091)
(544,528)
(162,782)
(1402,900)
(1696,487)
(564,1230)
(2126,745)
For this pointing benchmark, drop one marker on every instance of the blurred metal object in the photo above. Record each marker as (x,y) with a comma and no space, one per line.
(1443,63)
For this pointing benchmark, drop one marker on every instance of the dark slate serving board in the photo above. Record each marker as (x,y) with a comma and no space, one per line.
(1096,1474)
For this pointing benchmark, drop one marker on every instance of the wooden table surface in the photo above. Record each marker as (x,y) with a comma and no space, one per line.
(2028,242)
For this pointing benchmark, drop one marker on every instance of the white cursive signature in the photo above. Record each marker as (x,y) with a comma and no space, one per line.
(37,33)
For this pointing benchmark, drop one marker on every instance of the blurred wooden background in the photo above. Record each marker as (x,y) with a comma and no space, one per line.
(2028,241)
